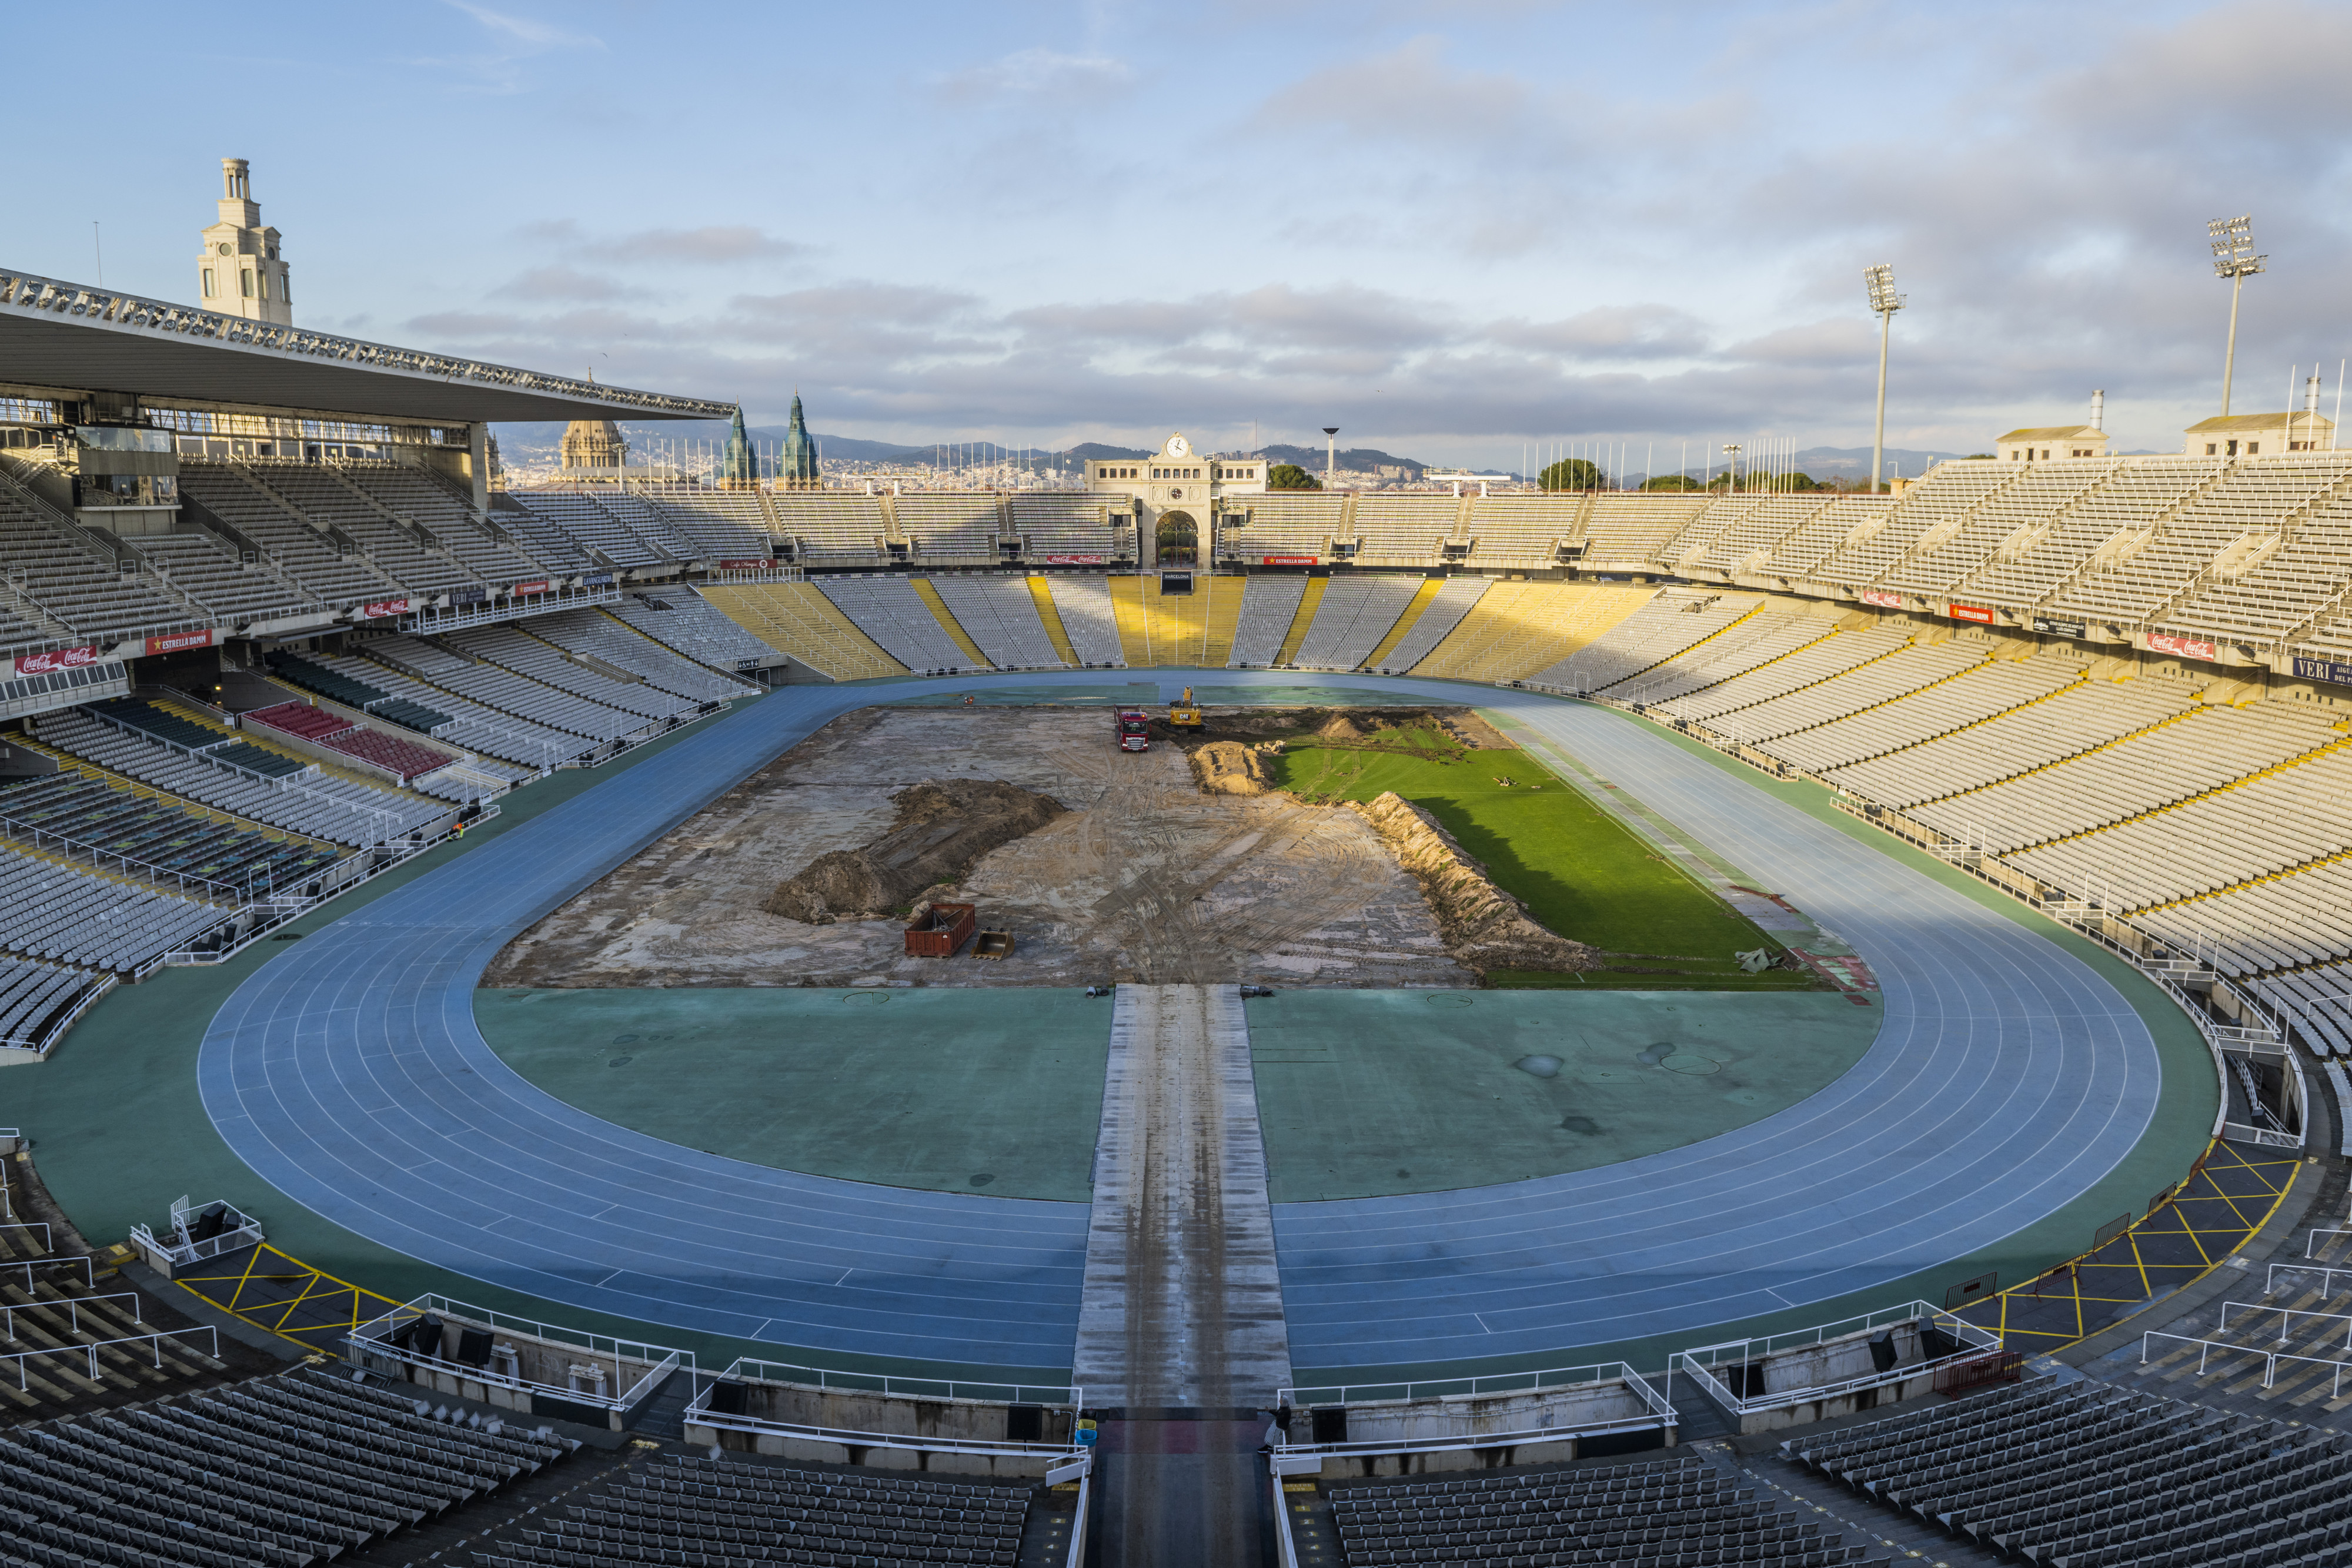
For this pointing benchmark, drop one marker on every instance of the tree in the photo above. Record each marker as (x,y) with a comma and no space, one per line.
(1973,455)
(1671,482)
(1571,474)
(1291,476)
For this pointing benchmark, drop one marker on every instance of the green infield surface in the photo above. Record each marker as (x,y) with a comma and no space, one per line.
(1578,872)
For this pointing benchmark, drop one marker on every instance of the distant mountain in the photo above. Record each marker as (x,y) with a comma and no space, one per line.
(1352,459)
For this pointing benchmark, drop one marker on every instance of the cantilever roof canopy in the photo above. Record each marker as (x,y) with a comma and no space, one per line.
(65,335)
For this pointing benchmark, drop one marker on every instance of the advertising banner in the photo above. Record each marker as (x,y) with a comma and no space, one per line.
(2186,647)
(751,563)
(1076,559)
(1286,560)
(179,641)
(58,659)
(2051,626)
(523,588)
(1883,600)
(1976,613)
(2329,670)
(385,607)
(597,580)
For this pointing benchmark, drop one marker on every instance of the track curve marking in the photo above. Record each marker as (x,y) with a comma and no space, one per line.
(2007,1077)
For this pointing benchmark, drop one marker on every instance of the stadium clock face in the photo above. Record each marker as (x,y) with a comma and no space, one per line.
(1178,446)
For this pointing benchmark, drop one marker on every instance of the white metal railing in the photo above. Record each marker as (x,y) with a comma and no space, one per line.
(1046,1394)
(699,1411)
(1658,1414)
(88,1274)
(700,1414)
(375,1338)
(86,999)
(2286,1318)
(1450,1387)
(1700,1361)
(237,1229)
(1282,1536)
(2209,1348)
(92,1349)
(2327,1275)
(429,622)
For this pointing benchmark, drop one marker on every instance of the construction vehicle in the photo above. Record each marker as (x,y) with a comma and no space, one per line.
(1184,714)
(1134,730)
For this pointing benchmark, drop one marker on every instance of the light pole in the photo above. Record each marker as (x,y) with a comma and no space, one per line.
(1880,281)
(1730,468)
(1330,455)
(2234,258)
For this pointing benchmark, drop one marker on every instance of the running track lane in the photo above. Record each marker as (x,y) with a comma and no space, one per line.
(2006,1079)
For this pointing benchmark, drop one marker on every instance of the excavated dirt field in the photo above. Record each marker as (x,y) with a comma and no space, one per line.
(1145,878)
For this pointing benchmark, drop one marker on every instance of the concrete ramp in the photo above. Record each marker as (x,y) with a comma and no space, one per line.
(1181,1307)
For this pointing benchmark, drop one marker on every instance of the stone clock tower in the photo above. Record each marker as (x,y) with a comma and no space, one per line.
(241,273)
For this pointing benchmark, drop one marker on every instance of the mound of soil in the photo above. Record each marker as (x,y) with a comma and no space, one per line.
(1340,726)
(940,829)
(1483,927)
(1231,768)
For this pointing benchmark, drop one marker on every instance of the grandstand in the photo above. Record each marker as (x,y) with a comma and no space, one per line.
(1001,615)
(692,1504)
(2092,1474)
(1269,604)
(2114,688)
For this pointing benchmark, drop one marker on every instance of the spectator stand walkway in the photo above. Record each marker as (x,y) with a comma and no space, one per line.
(285,1296)
(2187,1232)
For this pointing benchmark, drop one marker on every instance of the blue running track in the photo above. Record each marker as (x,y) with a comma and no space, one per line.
(2008,1077)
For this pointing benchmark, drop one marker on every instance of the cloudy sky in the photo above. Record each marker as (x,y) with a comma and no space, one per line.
(1450,227)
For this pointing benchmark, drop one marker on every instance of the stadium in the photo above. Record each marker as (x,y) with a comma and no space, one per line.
(652,1018)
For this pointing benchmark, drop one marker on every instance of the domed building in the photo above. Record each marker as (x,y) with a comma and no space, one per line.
(592,449)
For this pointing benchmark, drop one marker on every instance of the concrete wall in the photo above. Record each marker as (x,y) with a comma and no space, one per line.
(1458,1416)
(864,1411)
(1837,1360)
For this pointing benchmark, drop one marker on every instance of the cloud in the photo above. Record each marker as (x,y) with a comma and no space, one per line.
(523,30)
(1034,73)
(1610,331)
(713,243)
(562,283)
(1409,93)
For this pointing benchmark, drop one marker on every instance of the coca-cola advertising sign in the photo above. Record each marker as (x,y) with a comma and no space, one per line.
(180,641)
(1883,600)
(1075,559)
(1286,560)
(58,659)
(2186,647)
(385,607)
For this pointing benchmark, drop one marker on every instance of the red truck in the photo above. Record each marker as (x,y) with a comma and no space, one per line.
(1134,730)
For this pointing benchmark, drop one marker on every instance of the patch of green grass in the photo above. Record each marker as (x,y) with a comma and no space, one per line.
(1578,871)
(1616,980)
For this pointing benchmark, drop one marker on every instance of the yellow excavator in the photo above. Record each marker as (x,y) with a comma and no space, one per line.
(1184,714)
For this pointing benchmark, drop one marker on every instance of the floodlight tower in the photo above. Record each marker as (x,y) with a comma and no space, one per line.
(1330,455)
(1730,468)
(2234,258)
(1885,302)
